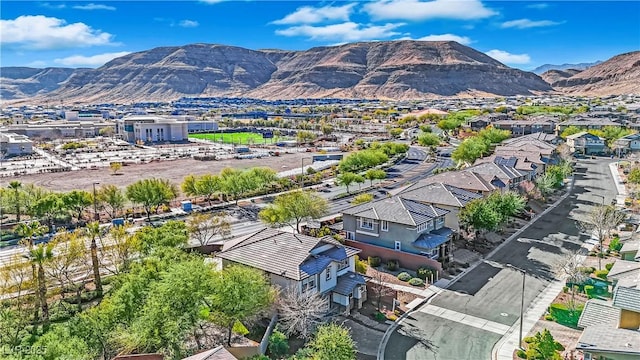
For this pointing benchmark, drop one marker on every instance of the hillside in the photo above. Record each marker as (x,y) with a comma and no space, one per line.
(22,82)
(553,76)
(618,75)
(388,70)
(548,67)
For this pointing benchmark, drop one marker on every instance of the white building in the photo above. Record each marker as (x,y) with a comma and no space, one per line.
(83,115)
(12,144)
(154,128)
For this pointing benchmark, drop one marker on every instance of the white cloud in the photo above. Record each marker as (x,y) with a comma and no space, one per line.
(188,23)
(92,6)
(53,6)
(538,6)
(423,10)
(344,32)
(89,61)
(508,58)
(312,15)
(447,37)
(41,32)
(527,24)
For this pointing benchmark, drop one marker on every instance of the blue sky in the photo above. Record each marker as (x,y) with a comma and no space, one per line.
(522,34)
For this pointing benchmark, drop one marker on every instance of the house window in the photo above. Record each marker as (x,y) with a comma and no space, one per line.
(366,223)
(397,246)
(384,225)
(328,270)
(432,253)
(351,235)
(343,264)
(428,226)
(309,284)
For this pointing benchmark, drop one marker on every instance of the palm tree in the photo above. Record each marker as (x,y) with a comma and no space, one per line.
(16,185)
(38,257)
(28,232)
(93,230)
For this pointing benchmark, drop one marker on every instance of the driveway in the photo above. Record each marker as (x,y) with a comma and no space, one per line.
(467,319)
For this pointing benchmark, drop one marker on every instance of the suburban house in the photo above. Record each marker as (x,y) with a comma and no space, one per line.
(468,180)
(402,225)
(630,250)
(503,169)
(612,328)
(526,127)
(443,196)
(587,123)
(585,143)
(530,166)
(307,264)
(627,144)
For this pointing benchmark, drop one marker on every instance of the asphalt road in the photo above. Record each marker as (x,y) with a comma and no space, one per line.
(492,291)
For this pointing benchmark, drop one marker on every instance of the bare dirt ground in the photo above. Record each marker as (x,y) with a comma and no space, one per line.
(173,170)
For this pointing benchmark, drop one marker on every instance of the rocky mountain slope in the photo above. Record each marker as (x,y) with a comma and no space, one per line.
(553,76)
(389,70)
(21,82)
(618,75)
(548,67)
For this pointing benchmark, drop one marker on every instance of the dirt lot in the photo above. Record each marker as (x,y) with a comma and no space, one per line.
(174,170)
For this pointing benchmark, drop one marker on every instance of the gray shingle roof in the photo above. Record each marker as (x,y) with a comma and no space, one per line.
(397,210)
(347,282)
(464,179)
(500,171)
(604,339)
(283,253)
(627,298)
(599,312)
(218,353)
(440,194)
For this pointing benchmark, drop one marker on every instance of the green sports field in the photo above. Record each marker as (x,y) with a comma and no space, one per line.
(241,138)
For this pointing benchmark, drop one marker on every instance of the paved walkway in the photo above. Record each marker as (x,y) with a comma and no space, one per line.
(622,190)
(465,319)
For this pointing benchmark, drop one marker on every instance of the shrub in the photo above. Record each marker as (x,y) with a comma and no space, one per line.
(529,339)
(608,266)
(548,317)
(404,276)
(278,344)
(565,289)
(589,290)
(361,266)
(521,354)
(416,282)
(602,274)
(240,329)
(392,265)
(374,261)
(392,317)
(379,316)
(587,270)
(565,316)
(424,273)
(615,244)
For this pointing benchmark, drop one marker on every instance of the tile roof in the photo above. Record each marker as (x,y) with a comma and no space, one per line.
(604,339)
(627,298)
(218,353)
(347,282)
(500,171)
(439,194)
(599,312)
(397,210)
(283,253)
(463,179)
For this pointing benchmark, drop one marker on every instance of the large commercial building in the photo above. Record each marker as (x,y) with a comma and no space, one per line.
(61,129)
(153,128)
(12,144)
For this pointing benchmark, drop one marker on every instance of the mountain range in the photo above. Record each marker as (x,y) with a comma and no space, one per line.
(547,67)
(384,70)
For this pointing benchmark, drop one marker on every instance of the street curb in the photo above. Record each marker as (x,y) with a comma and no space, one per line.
(391,329)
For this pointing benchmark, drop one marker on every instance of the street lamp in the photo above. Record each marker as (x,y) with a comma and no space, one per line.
(302,171)
(96,216)
(524,274)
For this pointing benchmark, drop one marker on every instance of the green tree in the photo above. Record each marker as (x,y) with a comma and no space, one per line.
(189,185)
(429,139)
(204,227)
(375,174)
(634,176)
(38,256)
(600,221)
(173,234)
(507,204)
(234,183)
(111,199)
(470,150)
(395,132)
(278,344)
(115,167)
(294,207)
(479,215)
(494,136)
(333,342)
(49,208)
(544,347)
(304,137)
(17,199)
(76,201)
(151,193)
(570,131)
(347,178)
(546,183)
(241,293)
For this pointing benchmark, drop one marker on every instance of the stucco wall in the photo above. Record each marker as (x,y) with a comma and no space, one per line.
(408,261)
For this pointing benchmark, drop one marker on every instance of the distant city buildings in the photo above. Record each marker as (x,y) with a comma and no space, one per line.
(12,144)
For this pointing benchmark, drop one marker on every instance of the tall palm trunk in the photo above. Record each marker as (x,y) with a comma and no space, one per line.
(42,296)
(96,266)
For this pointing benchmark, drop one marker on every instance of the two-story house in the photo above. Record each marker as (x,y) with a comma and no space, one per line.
(400,224)
(443,196)
(505,171)
(627,144)
(468,180)
(585,143)
(305,263)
